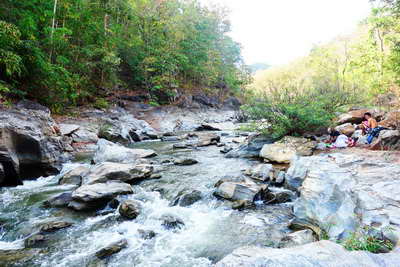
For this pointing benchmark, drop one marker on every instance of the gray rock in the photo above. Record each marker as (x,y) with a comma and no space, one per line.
(226,149)
(109,171)
(352,192)
(68,129)
(261,172)
(2,174)
(185,162)
(84,135)
(278,195)
(75,175)
(110,152)
(97,195)
(34,241)
(146,234)
(171,222)
(130,209)
(280,178)
(59,201)
(112,249)
(284,150)
(346,129)
(185,199)
(241,191)
(29,145)
(54,226)
(323,253)
(387,140)
(207,139)
(297,239)
(250,149)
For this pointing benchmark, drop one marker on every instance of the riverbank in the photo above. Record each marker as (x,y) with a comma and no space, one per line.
(182,186)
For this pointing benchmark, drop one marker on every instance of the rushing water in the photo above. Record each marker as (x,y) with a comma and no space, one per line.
(211,231)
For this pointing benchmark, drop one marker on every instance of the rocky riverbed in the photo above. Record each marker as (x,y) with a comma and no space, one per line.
(184,187)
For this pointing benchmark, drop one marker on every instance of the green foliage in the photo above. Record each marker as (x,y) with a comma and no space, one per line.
(101,103)
(296,114)
(362,241)
(87,48)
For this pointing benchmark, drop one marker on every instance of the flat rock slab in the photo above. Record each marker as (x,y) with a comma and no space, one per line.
(93,192)
(68,129)
(111,152)
(323,253)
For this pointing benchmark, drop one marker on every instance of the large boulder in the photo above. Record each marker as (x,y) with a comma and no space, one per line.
(346,129)
(29,145)
(94,196)
(241,191)
(387,140)
(109,171)
(75,175)
(284,150)
(391,120)
(187,198)
(341,193)
(353,116)
(323,253)
(111,152)
(250,149)
(261,172)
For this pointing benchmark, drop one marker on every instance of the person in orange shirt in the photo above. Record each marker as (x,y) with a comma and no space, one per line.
(373,129)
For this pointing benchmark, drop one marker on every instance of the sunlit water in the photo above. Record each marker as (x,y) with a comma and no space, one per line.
(211,231)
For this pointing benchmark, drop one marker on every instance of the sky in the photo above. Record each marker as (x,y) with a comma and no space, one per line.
(279,31)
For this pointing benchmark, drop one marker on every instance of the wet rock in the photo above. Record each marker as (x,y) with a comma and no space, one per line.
(110,152)
(54,226)
(59,201)
(250,149)
(207,139)
(261,172)
(17,257)
(323,253)
(34,241)
(109,171)
(112,249)
(74,176)
(226,149)
(387,140)
(185,199)
(242,204)
(297,239)
(172,222)
(68,129)
(130,209)
(346,129)
(241,191)
(146,234)
(29,145)
(278,196)
(185,162)
(180,146)
(284,150)
(170,138)
(95,196)
(208,127)
(280,178)
(232,103)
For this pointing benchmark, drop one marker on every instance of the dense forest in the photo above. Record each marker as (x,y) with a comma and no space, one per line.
(360,69)
(72,52)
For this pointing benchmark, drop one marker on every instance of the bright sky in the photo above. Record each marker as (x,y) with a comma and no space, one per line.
(278,31)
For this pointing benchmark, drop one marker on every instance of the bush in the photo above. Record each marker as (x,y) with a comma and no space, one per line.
(363,241)
(101,103)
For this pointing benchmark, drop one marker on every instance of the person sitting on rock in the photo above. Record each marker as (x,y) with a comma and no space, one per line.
(373,129)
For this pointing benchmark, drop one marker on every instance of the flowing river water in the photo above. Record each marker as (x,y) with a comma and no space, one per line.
(212,229)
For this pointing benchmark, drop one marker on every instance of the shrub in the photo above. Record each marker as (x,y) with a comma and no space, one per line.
(101,103)
(364,241)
